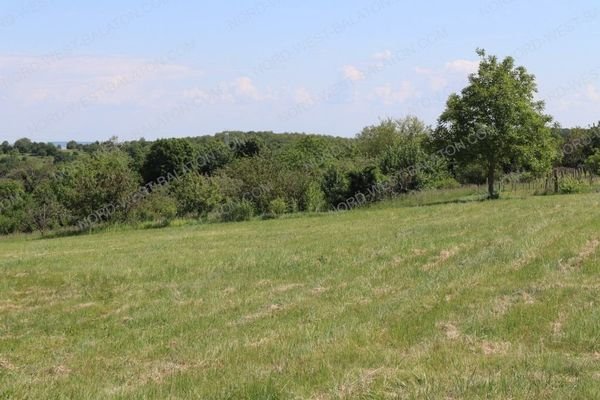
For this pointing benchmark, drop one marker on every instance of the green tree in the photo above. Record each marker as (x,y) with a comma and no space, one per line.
(23,146)
(497,120)
(5,147)
(375,140)
(100,184)
(137,151)
(46,211)
(212,155)
(167,156)
(309,153)
(247,147)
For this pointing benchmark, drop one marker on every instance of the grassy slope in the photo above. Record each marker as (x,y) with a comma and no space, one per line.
(477,300)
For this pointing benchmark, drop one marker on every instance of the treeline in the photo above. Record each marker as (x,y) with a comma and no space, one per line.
(234,176)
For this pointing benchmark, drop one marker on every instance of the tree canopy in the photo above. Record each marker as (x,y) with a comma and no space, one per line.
(497,120)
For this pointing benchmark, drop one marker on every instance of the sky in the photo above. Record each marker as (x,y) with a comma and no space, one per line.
(171,68)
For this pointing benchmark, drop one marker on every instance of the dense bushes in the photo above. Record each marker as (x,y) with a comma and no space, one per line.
(571,185)
(234,176)
(158,206)
(100,185)
(196,195)
(335,186)
(236,210)
(13,204)
(593,162)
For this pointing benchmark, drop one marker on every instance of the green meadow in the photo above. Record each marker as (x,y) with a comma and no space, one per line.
(403,300)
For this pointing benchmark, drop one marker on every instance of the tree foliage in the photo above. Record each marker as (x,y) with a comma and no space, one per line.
(167,156)
(496,119)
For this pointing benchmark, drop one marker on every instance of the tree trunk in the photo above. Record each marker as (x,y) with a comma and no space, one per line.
(491,180)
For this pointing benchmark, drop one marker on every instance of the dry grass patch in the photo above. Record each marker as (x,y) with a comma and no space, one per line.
(7,365)
(286,288)
(450,330)
(584,254)
(444,256)
(503,304)
(494,348)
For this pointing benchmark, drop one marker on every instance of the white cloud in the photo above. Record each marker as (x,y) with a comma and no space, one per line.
(452,72)
(352,73)
(213,96)
(303,96)
(92,80)
(391,95)
(423,71)
(437,80)
(245,87)
(593,94)
(240,90)
(462,66)
(383,56)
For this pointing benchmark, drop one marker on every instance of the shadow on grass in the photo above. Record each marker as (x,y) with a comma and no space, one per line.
(69,232)
(475,199)
(416,202)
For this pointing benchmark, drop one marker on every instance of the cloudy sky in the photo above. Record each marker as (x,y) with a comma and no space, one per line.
(163,68)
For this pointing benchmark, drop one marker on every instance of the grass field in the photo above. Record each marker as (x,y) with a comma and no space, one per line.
(447,301)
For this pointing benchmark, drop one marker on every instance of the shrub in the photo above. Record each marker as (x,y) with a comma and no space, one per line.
(196,195)
(13,204)
(569,185)
(98,182)
(277,207)
(8,224)
(233,211)
(593,162)
(314,198)
(261,180)
(365,182)
(156,207)
(335,187)
(46,212)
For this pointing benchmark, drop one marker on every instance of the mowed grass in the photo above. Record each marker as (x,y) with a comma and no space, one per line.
(450,301)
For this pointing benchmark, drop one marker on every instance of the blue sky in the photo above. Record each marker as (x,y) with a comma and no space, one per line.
(163,68)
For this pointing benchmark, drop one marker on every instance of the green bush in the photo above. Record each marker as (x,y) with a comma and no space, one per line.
(13,205)
(278,207)
(196,195)
(97,183)
(365,182)
(593,162)
(314,198)
(335,187)
(46,212)
(155,207)
(571,185)
(233,211)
